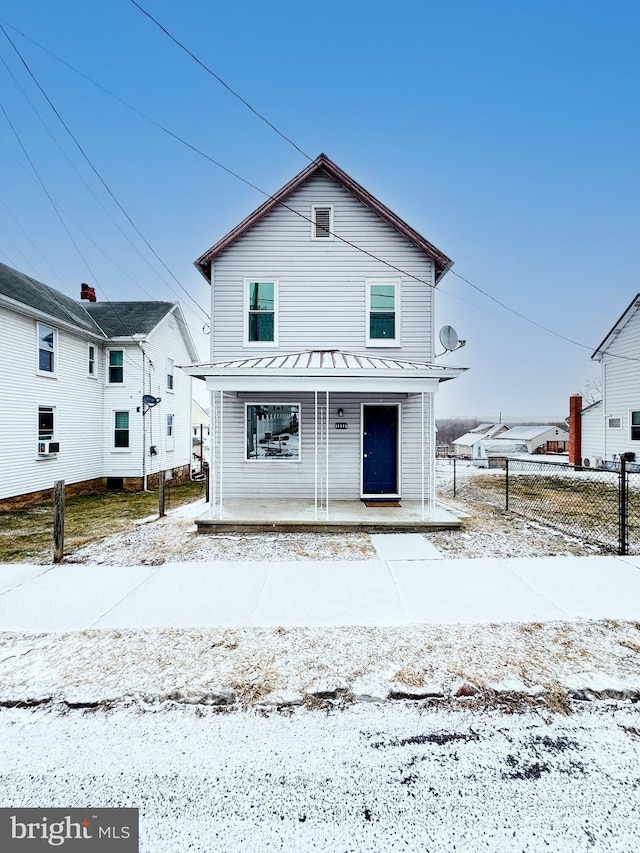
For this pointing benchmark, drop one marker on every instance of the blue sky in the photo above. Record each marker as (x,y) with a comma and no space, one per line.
(505,132)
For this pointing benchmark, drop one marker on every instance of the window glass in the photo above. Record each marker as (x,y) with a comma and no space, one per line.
(382,316)
(92,360)
(170,374)
(45,423)
(46,345)
(635,426)
(273,432)
(116,365)
(261,311)
(121,431)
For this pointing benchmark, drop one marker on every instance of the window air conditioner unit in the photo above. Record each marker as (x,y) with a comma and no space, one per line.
(48,448)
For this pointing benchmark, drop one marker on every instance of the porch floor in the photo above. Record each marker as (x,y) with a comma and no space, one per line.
(344,516)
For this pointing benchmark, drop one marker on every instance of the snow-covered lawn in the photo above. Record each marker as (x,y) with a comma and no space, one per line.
(367,778)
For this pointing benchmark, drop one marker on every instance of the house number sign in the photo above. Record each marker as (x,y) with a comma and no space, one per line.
(342,425)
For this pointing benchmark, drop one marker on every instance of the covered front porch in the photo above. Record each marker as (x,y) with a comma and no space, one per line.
(301,516)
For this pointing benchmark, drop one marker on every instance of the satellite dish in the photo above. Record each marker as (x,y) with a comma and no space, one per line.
(150,400)
(448,338)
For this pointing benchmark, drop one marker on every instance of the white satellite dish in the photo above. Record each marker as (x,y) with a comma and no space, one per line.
(448,338)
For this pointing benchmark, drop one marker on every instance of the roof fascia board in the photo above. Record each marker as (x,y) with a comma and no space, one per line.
(36,314)
(279,384)
(620,323)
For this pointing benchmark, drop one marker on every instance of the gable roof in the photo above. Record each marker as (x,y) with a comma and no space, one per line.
(323,164)
(128,319)
(617,327)
(27,291)
(526,433)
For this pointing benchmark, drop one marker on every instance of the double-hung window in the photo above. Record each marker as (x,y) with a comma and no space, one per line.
(121,430)
(170,375)
(91,360)
(170,435)
(116,367)
(383,313)
(261,313)
(46,423)
(47,349)
(635,426)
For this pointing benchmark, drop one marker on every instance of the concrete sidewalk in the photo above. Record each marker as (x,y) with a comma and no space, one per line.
(383,592)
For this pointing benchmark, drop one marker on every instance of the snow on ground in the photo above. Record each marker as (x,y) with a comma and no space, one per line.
(368,778)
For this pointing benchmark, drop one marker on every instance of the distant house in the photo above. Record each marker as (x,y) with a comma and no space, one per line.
(201,426)
(611,427)
(492,453)
(463,446)
(72,387)
(538,439)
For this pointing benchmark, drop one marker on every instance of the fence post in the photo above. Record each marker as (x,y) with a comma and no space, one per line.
(161,493)
(454,476)
(506,486)
(623,509)
(58,521)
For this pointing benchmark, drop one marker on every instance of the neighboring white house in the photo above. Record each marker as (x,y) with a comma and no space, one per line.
(464,445)
(72,384)
(322,376)
(545,438)
(612,427)
(491,453)
(200,425)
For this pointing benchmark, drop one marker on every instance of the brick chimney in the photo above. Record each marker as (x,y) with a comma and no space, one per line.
(88,293)
(575,430)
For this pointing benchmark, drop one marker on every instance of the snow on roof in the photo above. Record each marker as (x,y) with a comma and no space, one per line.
(499,447)
(526,432)
(482,431)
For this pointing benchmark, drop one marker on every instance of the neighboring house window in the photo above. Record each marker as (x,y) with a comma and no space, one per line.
(46,423)
(383,318)
(273,431)
(614,423)
(170,374)
(261,314)
(47,342)
(170,436)
(91,367)
(322,222)
(635,426)
(116,366)
(121,430)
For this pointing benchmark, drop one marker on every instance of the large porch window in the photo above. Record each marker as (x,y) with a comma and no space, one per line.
(273,431)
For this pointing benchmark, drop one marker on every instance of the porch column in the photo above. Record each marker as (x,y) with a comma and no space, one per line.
(315,453)
(212,453)
(326,475)
(220,462)
(432,455)
(422,429)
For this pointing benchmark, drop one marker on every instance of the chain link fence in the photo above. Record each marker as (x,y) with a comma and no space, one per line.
(598,506)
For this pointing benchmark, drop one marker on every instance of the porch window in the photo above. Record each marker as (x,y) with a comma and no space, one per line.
(635,426)
(273,431)
(47,341)
(382,313)
(261,315)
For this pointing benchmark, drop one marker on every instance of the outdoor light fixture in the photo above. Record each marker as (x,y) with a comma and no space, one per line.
(340,413)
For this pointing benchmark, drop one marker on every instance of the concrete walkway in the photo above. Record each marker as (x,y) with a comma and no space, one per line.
(384,592)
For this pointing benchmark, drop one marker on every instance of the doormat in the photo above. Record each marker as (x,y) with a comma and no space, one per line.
(382,503)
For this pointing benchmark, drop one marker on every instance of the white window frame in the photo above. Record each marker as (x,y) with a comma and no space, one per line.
(383,342)
(108,366)
(276,312)
(115,449)
(54,416)
(314,208)
(170,438)
(614,418)
(55,350)
(92,374)
(631,424)
(171,375)
(273,460)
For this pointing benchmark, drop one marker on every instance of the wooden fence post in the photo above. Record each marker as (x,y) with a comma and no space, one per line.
(58,522)
(161,493)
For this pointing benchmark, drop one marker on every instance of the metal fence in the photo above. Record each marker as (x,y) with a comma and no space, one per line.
(599,506)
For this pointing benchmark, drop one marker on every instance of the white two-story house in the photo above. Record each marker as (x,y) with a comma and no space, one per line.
(73,378)
(322,375)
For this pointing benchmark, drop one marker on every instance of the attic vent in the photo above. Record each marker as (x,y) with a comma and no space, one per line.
(322,222)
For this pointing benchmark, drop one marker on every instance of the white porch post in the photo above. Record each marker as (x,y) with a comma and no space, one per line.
(220,463)
(315,453)
(326,475)
(432,456)
(212,453)
(422,429)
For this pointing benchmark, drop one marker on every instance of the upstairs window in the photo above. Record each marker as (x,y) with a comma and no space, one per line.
(322,222)
(383,319)
(91,363)
(170,436)
(116,366)
(170,374)
(121,430)
(261,315)
(47,345)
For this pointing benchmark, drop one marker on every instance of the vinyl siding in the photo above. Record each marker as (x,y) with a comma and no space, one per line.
(322,291)
(592,432)
(621,388)
(283,479)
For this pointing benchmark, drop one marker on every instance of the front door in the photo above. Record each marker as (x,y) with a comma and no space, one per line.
(380,450)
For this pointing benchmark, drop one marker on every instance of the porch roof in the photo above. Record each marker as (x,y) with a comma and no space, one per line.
(319,369)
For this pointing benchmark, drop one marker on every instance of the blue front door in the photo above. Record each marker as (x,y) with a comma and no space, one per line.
(380,450)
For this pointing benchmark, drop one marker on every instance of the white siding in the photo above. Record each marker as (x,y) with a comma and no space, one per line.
(592,432)
(77,400)
(283,479)
(621,388)
(322,292)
